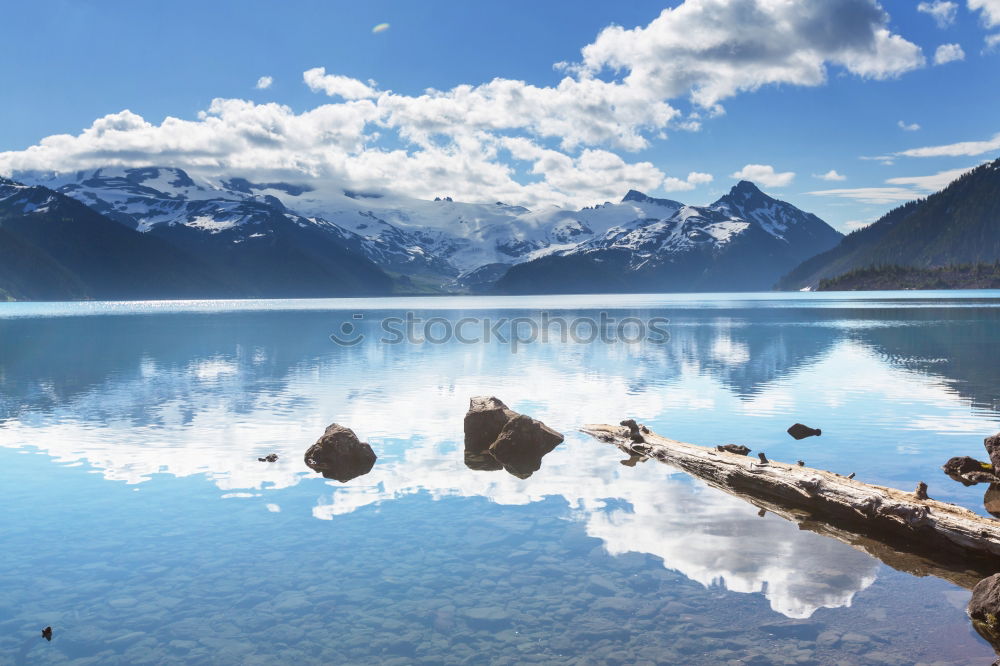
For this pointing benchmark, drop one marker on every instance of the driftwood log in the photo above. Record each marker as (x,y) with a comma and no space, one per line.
(919,536)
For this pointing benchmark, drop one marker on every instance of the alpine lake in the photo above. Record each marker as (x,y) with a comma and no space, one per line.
(140,525)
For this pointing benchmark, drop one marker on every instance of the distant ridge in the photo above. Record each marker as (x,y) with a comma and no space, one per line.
(958,225)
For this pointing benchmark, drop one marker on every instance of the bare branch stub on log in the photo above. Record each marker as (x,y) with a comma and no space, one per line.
(911,533)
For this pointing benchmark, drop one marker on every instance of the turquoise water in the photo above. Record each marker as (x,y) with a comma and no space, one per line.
(139,524)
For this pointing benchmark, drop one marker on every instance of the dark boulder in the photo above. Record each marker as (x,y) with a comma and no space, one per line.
(270,457)
(522,443)
(483,422)
(738,449)
(497,437)
(991,500)
(340,455)
(969,471)
(984,609)
(799,431)
(992,445)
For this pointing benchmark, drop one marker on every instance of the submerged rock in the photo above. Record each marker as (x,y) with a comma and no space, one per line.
(47,633)
(270,457)
(799,431)
(497,437)
(984,609)
(482,462)
(340,455)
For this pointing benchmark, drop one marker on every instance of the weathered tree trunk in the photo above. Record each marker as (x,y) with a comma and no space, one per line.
(921,536)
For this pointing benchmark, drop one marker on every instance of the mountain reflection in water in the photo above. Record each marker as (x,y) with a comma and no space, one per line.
(205,394)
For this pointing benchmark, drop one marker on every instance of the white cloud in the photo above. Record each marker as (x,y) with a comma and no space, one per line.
(712,49)
(830,175)
(854,225)
(992,42)
(336,85)
(908,127)
(932,183)
(600,172)
(884,160)
(264,82)
(765,175)
(962,148)
(905,188)
(948,53)
(990,11)
(693,180)
(941,11)
(619,97)
(870,195)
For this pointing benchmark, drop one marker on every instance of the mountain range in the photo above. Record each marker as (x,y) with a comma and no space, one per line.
(745,241)
(156,232)
(236,238)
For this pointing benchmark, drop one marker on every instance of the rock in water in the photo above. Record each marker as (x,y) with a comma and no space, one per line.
(969,471)
(482,462)
(991,500)
(483,422)
(47,633)
(799,431)
(521,444)
(340,455)
(498,437)
(984,609)
(270,457)
(992,445)
(738,449)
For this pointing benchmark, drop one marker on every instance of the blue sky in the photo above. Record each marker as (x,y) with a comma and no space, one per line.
(708,87)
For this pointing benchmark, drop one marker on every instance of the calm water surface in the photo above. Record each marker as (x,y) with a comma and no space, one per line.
(139,524)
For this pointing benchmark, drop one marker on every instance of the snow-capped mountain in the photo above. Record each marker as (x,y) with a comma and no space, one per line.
(744,241)
(52,247)
(177,239)
(455,246)
(440,238)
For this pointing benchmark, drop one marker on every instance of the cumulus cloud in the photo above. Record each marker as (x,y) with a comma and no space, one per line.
(264,82)
(907,127)
(900,189)
(941,11)
(948,53)
(830,175)
(765,175)
(693,180)
(336,85)
(623,94)
(989,11)
(992,42)
(713,49)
